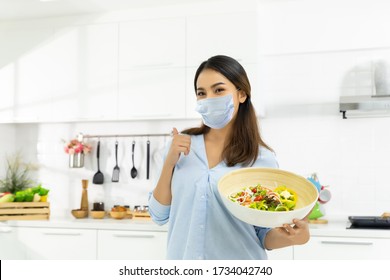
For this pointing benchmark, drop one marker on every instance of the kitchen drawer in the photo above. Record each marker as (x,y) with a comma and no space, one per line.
(58,243)
(11,248)
(131,245)
(343,248)
(286,253)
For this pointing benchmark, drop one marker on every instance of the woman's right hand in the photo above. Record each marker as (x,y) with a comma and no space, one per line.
(180,144)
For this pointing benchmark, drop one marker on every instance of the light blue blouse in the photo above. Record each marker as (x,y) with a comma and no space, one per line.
(199,225)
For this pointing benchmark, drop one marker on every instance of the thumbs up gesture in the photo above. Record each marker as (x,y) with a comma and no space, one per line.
(180,144)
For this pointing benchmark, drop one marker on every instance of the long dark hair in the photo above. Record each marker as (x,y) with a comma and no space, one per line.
(242,145)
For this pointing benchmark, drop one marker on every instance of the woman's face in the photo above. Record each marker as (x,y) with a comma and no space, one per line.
(212,84)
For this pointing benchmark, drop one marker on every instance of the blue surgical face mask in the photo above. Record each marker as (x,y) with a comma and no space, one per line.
(216,112)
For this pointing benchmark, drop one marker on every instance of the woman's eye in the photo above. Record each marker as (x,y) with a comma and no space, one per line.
(200,93)
(219,90)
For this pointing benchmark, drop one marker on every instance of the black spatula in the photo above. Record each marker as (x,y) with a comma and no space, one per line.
(147,159)
(133,171)
(115,173)
(98,178)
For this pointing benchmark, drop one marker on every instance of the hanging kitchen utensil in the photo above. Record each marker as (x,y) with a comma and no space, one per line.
(133,171)
(147,158)
(98,178)
(115,172)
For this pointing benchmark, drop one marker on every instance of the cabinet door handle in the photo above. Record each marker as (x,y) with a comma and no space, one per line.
(63,233)
(134,235)
(348,243)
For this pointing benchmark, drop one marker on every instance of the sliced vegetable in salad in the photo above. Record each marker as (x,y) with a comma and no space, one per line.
(263,198)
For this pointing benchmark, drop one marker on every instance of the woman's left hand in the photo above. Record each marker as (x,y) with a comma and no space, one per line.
(298,233)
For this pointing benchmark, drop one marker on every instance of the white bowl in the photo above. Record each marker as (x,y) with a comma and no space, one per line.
(268,177)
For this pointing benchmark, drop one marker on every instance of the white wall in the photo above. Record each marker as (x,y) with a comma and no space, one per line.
(311,52)
(7,146)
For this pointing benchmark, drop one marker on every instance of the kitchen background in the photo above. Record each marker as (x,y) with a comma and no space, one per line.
(130,71)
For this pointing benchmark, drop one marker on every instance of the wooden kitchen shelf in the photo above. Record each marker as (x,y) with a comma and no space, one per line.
(24,211)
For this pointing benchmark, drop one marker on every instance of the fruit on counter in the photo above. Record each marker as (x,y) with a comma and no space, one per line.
(37,197)
(7,197)
(35,194)
(40,190)
(118,209)
(3,194)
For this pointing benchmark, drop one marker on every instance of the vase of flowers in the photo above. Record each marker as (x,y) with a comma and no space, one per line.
(76,151)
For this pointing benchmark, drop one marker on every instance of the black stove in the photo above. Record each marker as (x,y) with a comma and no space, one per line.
(369,222)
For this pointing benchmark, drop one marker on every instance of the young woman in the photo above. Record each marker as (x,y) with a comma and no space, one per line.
(186,195)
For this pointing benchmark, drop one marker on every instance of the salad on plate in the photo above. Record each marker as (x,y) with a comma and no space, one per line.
(263,198)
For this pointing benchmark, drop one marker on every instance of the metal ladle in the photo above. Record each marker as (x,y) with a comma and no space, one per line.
(133,171)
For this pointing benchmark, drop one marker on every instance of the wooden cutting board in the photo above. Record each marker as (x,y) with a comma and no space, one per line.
(318,221)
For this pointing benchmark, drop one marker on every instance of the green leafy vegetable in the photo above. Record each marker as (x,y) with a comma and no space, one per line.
(263,198)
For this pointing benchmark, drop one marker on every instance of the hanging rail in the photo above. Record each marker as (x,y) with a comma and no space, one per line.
(81,136)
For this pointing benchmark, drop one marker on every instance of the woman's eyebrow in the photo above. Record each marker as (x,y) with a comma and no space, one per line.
(217,84)
(213,86)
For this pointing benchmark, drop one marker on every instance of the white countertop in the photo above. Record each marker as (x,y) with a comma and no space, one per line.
(336,226)
(90,223)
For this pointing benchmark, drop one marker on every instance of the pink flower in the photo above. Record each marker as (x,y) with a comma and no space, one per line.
(86,149)
(76,147)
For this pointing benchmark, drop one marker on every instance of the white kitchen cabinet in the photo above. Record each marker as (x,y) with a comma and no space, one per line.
(25,80)
(7,89)
(11,248)
(152,69)
(100,88)
(86,67)
(343,248)
(9,42)
(131,245)
(258,100)
(152,43)
(232,34)
(190,100)
(286,253)
(151,94)
(58,74)
(58,243)
(28,69)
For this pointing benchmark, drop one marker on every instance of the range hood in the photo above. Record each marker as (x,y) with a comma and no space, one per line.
(367,103)
(379,100)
